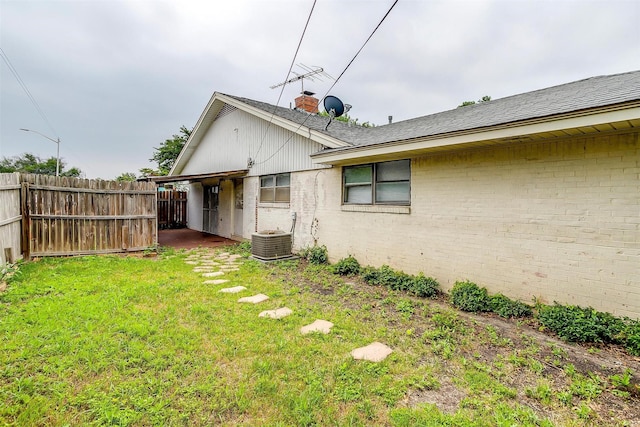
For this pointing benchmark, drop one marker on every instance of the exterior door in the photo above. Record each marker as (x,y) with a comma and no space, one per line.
(210,209)
(238,208)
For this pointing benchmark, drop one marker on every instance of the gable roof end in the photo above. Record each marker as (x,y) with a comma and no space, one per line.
(302,123)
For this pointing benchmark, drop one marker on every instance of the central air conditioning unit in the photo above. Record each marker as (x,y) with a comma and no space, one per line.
(271,245)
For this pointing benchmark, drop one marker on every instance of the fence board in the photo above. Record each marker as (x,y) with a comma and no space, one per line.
(10,216)
(71,216)
(172,209)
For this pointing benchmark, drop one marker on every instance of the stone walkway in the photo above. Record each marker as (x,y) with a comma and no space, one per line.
(208,264)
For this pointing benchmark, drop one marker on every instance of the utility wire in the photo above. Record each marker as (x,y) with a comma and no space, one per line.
(26,90)
(286,77)
(334,83)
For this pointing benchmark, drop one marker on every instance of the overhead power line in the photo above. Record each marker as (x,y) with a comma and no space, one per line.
(26,90)
(335,82)
(293,60)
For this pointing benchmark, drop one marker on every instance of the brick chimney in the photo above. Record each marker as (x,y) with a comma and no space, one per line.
(307,102)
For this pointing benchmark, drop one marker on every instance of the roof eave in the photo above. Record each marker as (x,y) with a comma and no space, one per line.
(493,135)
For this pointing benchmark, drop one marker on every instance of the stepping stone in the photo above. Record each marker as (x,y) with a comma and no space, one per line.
(202,269)
(213,274)
(322,326)
(215,282)
(375,352)
(234,257)
(233,290)
(229,269)
(254,299)
(192,262)
(278,313)
(208,262)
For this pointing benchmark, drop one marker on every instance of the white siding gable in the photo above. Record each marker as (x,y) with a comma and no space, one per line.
(236,135)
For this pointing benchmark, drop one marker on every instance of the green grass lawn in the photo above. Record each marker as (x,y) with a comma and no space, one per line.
(143,341)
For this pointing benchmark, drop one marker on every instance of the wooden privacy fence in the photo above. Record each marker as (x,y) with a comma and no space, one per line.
(44,215)
(172,209)
(10,216)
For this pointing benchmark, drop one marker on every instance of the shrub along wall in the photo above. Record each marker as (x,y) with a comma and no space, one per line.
(570,323)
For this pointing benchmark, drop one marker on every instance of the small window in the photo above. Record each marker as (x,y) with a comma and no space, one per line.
(275,188)
(358,184)
(378,183)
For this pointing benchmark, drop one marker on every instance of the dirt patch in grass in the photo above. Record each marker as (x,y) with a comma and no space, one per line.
(550,377)
(446,398)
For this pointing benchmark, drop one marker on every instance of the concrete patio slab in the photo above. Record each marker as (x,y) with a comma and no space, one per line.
(233,290)
(254,299)
(322,326)
(278,313)
(374,352)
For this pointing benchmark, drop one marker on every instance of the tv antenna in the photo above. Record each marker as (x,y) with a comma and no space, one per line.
(312,73)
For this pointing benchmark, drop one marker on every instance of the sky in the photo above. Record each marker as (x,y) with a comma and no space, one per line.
(116,78)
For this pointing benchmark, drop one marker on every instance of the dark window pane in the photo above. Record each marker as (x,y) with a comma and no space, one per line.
(282,194)
(359,194)
(283,180)
(357,174)
(388,192)
(399,170)
(267,181)
(266,195)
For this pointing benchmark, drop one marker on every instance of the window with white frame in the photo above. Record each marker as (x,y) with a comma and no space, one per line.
(275,188)
(378,183)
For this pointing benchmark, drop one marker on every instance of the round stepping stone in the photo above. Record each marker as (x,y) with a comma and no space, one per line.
(374,352)
(215,282)
(213,274)
(233,290)
(278,313)
(321,326)
(254,299)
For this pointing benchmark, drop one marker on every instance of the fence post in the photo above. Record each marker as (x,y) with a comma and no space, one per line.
(26,221)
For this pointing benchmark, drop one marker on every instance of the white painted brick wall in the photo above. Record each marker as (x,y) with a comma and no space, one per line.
(557,221)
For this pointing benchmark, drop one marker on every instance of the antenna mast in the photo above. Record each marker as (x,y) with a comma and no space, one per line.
(312,73)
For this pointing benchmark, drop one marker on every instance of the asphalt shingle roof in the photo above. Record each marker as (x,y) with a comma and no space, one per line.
(566,98)
(337,129)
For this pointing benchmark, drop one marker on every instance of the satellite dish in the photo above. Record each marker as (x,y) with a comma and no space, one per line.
(333,103)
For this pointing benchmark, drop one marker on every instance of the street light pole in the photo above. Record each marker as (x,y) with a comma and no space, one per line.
(57,141)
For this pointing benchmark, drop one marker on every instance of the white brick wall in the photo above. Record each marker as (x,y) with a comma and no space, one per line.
(557,221)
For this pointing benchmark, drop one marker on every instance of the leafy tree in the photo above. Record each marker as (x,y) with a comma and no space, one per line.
(145,172)
(485,98)
(126,177)
(165,155)
(348,119)
(30,163)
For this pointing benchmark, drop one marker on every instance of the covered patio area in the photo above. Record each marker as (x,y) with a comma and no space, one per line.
(185,238)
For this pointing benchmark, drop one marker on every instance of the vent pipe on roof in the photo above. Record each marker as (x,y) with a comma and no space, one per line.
(390,119)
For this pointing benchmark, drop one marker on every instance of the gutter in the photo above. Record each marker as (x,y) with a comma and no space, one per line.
(491,135)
